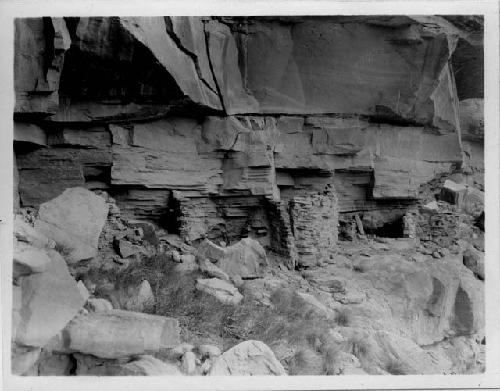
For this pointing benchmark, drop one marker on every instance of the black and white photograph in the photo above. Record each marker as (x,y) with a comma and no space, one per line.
(270,195)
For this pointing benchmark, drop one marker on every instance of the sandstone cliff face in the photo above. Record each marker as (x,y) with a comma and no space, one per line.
(222,127)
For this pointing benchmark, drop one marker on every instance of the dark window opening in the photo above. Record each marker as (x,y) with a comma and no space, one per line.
(171,220)
(392,229)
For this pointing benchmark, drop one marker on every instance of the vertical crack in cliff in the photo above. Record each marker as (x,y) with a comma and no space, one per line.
(190,54)
(49,53)
(211,65)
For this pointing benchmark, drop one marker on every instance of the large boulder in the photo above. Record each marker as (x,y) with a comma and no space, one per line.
(117,334)
(49,300)
(74,220)
(244,259)
(249,358)
(425,302)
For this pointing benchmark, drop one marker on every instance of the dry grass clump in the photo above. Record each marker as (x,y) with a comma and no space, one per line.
(360,268)
(357,346)
(63,250)
(288,321)
(395,367)
(306,362)
(331,353)
(343,317)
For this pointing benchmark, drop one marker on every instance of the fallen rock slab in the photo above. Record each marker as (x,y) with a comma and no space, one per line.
(117,333)
(249,358)
(222,290)
(49,301)
(74,220)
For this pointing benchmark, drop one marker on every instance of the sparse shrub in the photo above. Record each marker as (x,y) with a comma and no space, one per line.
(62,249)
(331,353)
(395,367)
(359,268)
(343,317)
(306,362)
(358,347)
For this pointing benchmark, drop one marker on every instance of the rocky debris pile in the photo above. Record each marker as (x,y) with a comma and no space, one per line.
(49,322)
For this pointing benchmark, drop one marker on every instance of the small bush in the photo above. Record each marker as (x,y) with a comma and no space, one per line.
(358,347)
(359,268)
(343,318)
(331,354)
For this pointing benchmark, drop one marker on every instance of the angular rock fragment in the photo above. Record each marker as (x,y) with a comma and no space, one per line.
(29,259)
(245,258)
(74,220)
(474,260)
(453,192)
(223,291)
(142,297)
(25,232)
(55,365)
(127,249)
(249,358)
(211,270)
(83,290)
(29,133)
(99,305)
(23,360)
